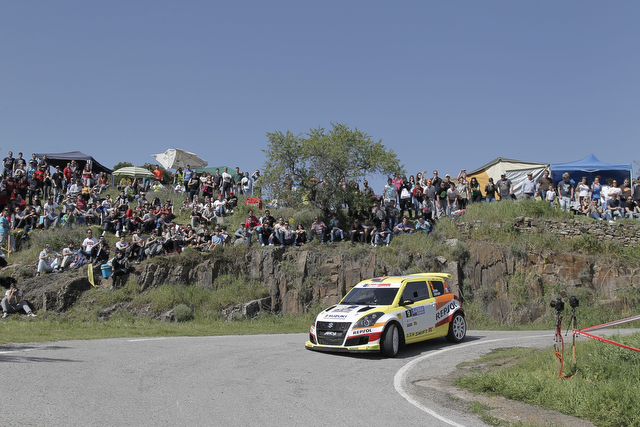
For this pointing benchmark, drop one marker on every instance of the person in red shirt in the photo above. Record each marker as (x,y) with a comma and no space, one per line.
(68,174)
(158,173)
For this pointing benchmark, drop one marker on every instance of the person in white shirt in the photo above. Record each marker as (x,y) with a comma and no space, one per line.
(48,261)
(87,246)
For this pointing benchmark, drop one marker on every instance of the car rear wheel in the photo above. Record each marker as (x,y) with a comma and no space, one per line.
(390,342)
(457,328)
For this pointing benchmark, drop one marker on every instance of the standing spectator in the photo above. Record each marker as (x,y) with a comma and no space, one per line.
(490,191)
(551,195)
(583,189)
(255,189)
(12,302)
(596,188)
(158,173)
(86,175)
(529,188)
(463,190)
(7,165)
(19,164)
(389,192)
(227,183)
(505,187)
(5,227)
(405,197)
(453,198)
(48,261)
(56,184)
(476,193)
(392,214)
(565,192)
(543,184)
(246,184)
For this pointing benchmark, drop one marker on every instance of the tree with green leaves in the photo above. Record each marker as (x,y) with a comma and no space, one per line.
(322,167)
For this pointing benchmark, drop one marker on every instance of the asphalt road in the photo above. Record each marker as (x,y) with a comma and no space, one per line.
(263,380)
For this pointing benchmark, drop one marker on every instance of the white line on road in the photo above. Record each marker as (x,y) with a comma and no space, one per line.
(147,339)
(399,378)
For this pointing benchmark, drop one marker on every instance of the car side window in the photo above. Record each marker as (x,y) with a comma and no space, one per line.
(437,288)
(415,291)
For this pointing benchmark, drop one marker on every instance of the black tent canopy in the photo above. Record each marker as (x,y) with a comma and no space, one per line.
(61,159)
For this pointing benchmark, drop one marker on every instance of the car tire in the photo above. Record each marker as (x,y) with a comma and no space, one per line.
(390,341)
(457,328)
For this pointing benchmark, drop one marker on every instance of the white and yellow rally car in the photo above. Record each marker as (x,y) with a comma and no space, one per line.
(383,313)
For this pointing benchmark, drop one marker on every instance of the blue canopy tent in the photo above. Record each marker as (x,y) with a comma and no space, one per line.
(591,167)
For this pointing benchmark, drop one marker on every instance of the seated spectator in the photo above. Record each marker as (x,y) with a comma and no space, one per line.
(134,223)
(68,219)
(51,217)
(69,256)
(217,239)
(48,261)
(382,235)
(123,246)
(138,244)
(120,269)
(13,302)
(318,228)
(219,206)
(357,233)
(277,234)
(89,246)
(288,236)
(300,233)
(404,227)
(232,202)
(241,236)
(614,210)
(631,209)
(264,231)
(369,230)
(594,211)
(154,244)
(336,233)
(423,225)
(113,223)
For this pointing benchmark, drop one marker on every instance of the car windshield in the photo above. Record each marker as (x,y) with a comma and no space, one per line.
(370,296)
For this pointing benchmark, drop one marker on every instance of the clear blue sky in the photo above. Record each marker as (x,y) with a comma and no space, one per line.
(446,85)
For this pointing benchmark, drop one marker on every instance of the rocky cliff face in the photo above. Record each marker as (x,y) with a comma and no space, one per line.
(510,284)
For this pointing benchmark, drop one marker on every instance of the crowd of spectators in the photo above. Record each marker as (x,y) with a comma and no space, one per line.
(32,197)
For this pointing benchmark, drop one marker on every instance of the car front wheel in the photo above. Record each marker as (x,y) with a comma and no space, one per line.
(390,342)
(457,328)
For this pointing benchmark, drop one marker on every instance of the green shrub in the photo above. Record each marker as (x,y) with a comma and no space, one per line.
(183,313)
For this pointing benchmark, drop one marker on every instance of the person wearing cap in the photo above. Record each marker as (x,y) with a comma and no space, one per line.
(48,261)
(565,192)
(529,187)
(504,187)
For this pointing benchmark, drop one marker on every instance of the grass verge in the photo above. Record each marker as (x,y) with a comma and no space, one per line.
(603,389)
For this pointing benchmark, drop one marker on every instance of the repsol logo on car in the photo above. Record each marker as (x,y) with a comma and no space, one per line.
(444,311)
(361,331)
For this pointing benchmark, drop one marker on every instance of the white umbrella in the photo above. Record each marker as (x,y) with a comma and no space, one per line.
(175,158)
(134,172)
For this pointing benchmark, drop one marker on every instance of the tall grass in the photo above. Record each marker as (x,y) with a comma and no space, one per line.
(603,388)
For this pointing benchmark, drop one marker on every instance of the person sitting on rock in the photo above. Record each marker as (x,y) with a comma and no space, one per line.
(120,267)
(49,261)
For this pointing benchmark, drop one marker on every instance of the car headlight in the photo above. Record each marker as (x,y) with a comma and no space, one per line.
(368,321)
